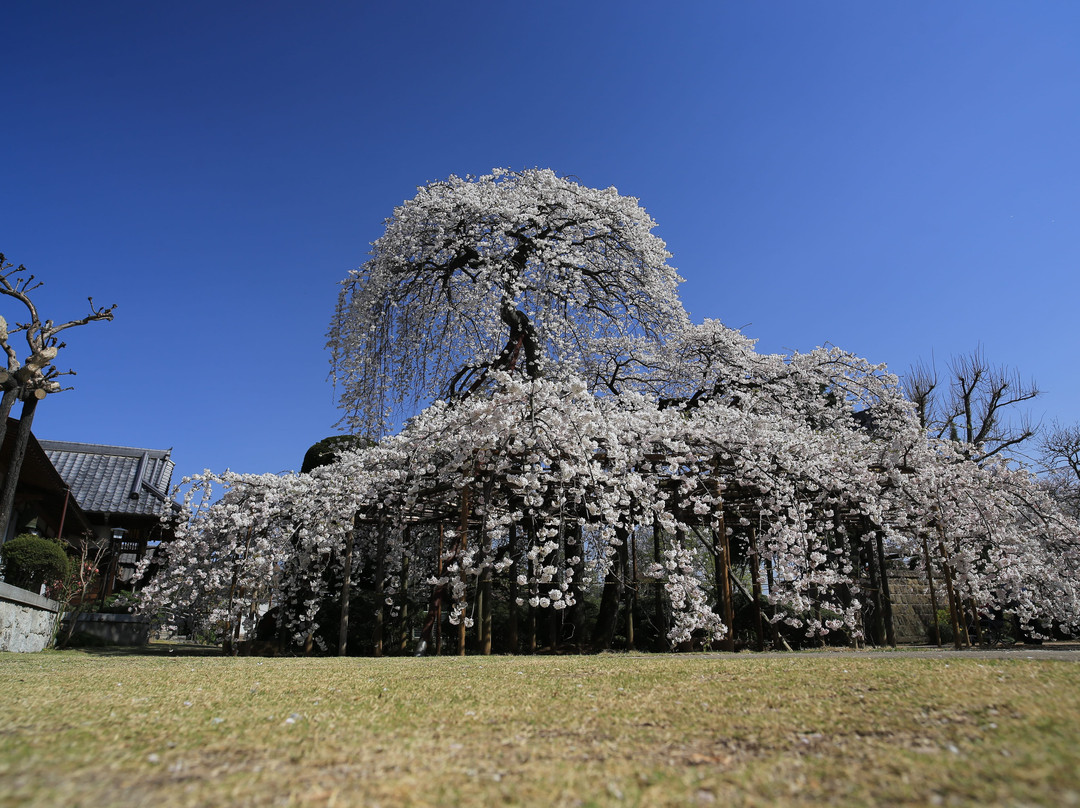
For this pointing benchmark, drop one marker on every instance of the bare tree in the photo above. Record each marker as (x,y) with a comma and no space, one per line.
(32,379)
(976,405)
(1060,455)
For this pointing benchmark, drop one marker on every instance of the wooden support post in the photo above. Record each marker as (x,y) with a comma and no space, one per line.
(728,643)
(877,628)
(661,619)
(632,594)
(933,596)
(755,581)
(380,588)
(886,596)
(438,605)
(346,583)
(512,623)
(463,544)
(945,568)
(403,600)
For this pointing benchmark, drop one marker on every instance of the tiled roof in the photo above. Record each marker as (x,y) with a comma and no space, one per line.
(113,479)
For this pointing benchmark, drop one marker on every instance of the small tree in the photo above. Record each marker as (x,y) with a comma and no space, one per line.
(32,379)
(71,589)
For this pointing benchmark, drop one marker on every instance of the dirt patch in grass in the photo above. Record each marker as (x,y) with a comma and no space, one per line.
(848,728)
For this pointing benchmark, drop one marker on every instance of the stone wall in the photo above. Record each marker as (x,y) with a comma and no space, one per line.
(912,615)
(27,619)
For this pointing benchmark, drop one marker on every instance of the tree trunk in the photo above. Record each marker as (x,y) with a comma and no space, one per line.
(11,482)
(512,624)
(380,597)
(722,545)
(576,616)
(886,596)
(755,581)
(661,617)
(953,616)
(933,597)
(532,609)
(877,629)
(346,580)
(631,595)
(463,542)
(6,403)
(608,617)
(485,611)
(403,644)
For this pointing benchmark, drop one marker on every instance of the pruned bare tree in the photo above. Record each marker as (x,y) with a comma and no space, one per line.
(33,378)
(1059,449)
(977,405)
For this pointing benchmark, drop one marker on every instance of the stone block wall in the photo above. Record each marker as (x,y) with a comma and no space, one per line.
(27,619)
(912,615)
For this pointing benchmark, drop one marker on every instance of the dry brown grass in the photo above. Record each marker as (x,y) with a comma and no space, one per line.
(843,728)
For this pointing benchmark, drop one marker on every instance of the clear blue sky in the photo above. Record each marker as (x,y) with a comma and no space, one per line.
(898,179)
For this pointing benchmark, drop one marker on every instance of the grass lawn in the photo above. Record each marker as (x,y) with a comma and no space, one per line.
(79,729)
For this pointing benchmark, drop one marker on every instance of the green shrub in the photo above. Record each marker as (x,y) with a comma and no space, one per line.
(30,561)
(944,622)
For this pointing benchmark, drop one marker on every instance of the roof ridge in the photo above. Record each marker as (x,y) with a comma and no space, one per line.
(103,449)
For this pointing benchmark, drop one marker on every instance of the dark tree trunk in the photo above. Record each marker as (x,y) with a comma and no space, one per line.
(6,403)
(608,618)
(661,615)
(877,629)
(576,616)
(463,542)
(346,580)
(11,482)
(723,585)
(512,623)
(933,595)
(484,585)
(631,595)
(380,592)
(886,597)
(755,581)
(403,643)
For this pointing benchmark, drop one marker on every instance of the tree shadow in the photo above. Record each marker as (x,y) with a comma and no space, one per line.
(153,649)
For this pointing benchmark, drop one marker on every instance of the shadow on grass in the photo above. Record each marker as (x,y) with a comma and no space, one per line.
(153,649)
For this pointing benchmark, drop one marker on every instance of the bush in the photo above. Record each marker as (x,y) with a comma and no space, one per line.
(944,622)
(30,560)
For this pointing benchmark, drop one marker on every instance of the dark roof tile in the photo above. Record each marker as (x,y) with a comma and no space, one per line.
(113,479)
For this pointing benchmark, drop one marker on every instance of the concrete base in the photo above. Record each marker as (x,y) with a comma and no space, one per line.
(114,629)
